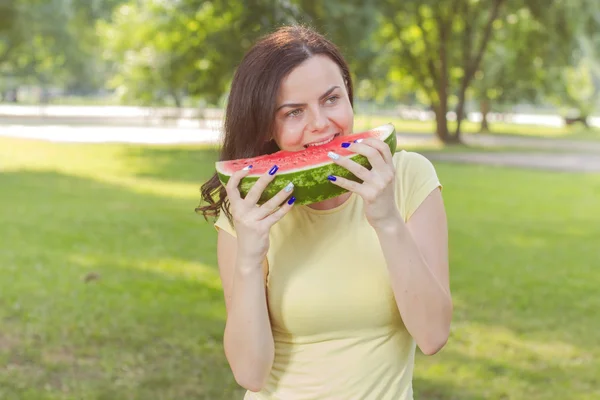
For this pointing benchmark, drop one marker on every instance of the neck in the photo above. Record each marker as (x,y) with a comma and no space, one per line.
(331,203)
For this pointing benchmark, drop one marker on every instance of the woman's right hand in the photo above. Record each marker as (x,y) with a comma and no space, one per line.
(252,222)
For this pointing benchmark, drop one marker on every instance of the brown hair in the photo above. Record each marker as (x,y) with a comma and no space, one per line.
(250,114)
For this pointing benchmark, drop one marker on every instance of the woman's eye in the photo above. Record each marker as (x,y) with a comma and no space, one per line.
(294,113)
(332,99)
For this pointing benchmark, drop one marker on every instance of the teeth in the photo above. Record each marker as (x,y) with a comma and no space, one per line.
(323,142)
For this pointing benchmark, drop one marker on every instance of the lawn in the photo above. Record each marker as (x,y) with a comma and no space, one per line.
(109,287)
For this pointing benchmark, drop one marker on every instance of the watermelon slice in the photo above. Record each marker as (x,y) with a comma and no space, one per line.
(307,169)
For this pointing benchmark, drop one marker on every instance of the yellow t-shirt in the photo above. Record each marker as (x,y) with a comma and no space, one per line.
(337,330)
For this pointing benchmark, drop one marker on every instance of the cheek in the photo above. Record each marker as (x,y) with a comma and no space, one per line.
(289,135)
(344,117)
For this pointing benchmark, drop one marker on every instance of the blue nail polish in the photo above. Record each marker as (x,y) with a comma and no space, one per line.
(332,178)
(273,170)
(291,200)
(346,145)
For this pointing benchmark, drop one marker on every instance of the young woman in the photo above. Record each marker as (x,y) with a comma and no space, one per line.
(327,300)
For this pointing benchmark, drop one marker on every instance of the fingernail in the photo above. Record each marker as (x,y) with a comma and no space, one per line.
(289,187)
(346,144)
(358,140)
(247,168)
(273,170)
(333,155)
(291,200)
(332,178)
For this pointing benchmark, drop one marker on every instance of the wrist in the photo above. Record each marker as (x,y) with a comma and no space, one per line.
(390,226)
(247,265)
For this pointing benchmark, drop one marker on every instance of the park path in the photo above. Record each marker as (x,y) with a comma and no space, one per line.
(548,154)
(565,155)
(566,162)
(488,140)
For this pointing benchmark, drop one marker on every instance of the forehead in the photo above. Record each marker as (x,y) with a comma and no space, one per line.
(311,79)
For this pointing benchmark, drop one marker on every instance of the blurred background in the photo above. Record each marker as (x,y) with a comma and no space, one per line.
(110,115)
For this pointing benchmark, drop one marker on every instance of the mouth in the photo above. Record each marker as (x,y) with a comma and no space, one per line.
(324,142)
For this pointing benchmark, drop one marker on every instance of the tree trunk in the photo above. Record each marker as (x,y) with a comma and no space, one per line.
(176,98)
(12,96)
(484,107)
(441,122)
(472,61)
(441,111)
(44,96)
(460,114)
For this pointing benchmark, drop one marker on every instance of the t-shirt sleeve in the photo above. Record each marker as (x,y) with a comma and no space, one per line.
(416,179)
(223,223)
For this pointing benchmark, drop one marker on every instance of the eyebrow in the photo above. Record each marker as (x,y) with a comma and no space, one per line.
(327,93)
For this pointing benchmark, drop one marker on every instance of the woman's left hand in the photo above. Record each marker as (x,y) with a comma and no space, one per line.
(377,188)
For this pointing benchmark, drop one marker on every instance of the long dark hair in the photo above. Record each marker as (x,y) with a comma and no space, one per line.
(250,114)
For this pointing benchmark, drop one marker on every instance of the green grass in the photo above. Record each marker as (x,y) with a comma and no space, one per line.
(524,256)
(363,122)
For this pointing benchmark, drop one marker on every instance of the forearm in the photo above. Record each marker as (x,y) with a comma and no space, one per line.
(423,302)
(248,339)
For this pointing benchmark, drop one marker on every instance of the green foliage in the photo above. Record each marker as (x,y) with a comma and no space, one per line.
(191,48)
(444,54)
(51,43)
(576,87)
(160,51)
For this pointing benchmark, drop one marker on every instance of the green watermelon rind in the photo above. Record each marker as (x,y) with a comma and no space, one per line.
(311,184)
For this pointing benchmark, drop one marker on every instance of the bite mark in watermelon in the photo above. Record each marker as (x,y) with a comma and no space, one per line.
(307,169)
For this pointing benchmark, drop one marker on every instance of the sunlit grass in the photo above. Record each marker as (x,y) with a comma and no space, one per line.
(109,287)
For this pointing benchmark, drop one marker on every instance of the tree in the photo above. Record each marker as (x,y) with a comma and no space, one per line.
(50,42)
(576,87)
(186,48)
(517,67)
(436,48)
(191,47)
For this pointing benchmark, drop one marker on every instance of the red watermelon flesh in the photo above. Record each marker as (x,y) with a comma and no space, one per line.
(291,160)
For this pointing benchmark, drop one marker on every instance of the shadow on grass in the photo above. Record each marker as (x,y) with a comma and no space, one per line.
(425,389)
(194,164)
(107,293)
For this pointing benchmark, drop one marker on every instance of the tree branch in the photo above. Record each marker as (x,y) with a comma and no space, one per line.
(428,49)
(470,64)
(411,59)
(467,43)
(453,11)
(470,72)
(6,55)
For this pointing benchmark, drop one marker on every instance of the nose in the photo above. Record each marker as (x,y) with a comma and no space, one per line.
(318,121)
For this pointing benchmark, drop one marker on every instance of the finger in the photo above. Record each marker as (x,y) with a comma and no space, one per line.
(348,184)
(382,147)
(261,184)
(233,193)
(280,213)
(373,155)
(270,206)
(358,170)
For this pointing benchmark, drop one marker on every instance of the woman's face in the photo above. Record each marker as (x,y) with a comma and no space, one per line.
(312,105)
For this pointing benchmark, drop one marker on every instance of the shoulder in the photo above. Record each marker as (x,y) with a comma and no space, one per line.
(411,166)
(416,178)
